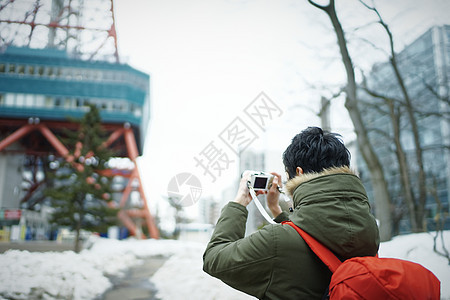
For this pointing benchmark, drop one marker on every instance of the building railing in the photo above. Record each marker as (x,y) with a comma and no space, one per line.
(73,73)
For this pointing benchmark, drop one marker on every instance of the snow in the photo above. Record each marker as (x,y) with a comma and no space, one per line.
(67,275)
(184,272)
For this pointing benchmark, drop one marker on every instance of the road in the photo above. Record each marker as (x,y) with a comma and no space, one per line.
(136,285)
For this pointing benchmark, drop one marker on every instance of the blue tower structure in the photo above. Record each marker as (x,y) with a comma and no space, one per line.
(49,85)
(42,89)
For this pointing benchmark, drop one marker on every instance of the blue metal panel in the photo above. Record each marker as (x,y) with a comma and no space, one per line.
(42,86)
(55,57)
(61,114)
(49,53)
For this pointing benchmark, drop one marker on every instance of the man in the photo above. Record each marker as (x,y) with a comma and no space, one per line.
(330,203)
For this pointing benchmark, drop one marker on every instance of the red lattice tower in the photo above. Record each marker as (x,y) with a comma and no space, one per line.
(85,29)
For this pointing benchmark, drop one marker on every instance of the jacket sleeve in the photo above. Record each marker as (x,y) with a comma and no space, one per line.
(244,263)
(284,216)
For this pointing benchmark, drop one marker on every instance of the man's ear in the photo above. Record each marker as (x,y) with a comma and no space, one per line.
(299,171)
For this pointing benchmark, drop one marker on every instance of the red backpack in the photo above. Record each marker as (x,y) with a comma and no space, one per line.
(373,277)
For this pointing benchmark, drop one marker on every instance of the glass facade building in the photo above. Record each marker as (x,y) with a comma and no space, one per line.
(424,66)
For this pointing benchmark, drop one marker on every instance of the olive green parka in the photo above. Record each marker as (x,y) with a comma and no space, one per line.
(275,262)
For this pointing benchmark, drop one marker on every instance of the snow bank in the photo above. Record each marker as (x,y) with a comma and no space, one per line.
(54,275)
(67,275)
(84,276)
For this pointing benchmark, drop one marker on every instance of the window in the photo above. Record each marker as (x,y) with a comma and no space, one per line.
(20,99)
(67,73)
(31,70)
(2,68)
(67,103)
(40,70)
(29,100)
(138,112)
(116,106)
(50,72)
(110,104)
(85,74)
(12,68)
(40,101)
(48,101)
(77,74)
(121,76)
(21,69)
(10,99)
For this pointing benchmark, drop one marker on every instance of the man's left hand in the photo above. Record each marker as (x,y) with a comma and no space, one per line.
(273,196)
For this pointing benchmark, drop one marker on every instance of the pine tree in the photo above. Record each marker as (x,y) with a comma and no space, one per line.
(81,193)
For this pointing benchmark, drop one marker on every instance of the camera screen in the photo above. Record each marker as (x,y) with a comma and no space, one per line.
(260,182)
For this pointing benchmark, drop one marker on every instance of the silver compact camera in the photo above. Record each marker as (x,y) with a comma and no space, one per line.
(260,181)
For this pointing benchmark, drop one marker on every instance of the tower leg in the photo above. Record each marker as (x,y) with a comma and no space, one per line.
(133,154)
(123,215)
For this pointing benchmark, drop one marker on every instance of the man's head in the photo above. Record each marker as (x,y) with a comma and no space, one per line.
(314,150)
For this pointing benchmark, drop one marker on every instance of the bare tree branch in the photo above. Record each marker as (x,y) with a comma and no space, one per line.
(322,7)
(379,184)
(380,96)
(440,222)
(419,210)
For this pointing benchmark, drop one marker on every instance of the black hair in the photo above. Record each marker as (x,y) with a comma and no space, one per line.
(314,150)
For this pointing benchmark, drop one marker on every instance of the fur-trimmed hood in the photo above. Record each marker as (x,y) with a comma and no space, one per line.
(293,183)
(333,207)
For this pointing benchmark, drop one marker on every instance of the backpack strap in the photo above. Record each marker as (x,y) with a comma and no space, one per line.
(327,257)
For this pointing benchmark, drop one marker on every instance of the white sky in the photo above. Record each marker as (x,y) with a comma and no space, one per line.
(209,59)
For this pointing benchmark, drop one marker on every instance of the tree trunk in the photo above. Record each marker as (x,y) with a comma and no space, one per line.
(379,185)
(77,238)
(419,210)
(402,164)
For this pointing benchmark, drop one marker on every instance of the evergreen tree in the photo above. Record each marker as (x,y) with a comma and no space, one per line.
(81,193)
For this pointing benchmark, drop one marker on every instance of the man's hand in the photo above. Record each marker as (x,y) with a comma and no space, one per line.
(273,195)
(243,196)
